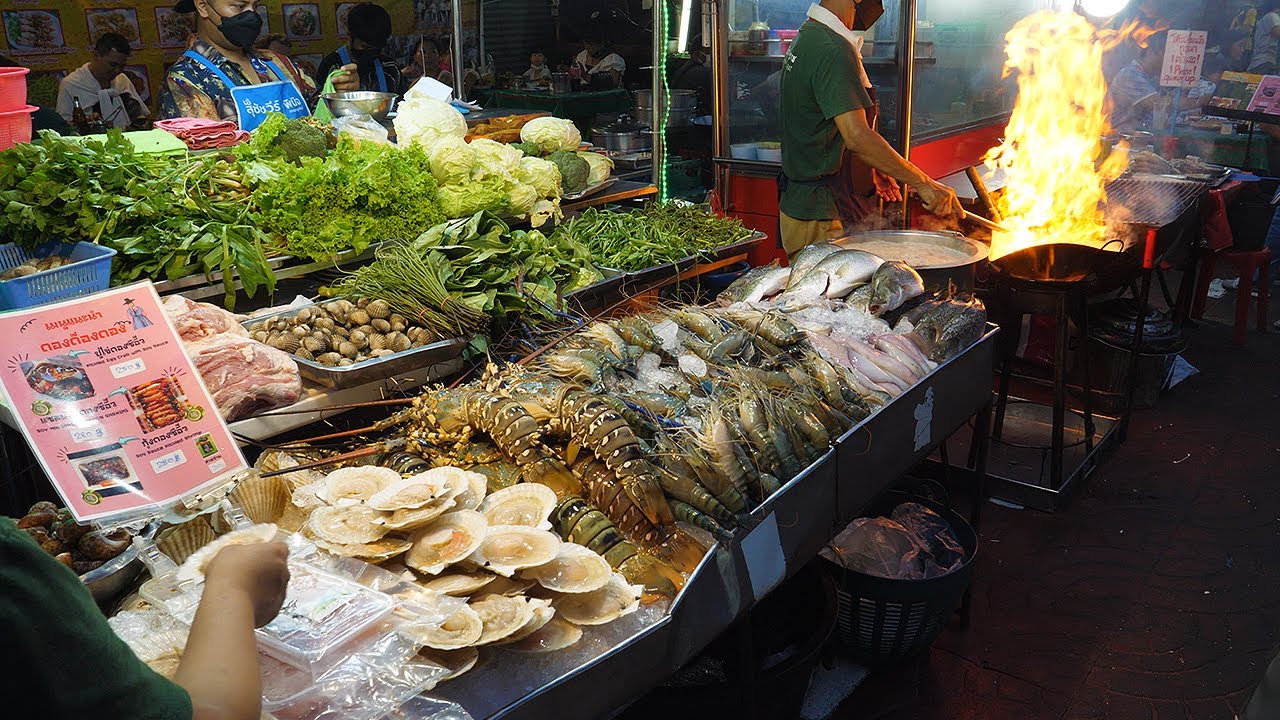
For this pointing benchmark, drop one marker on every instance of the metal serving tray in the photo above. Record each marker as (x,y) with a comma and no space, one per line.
(367,371)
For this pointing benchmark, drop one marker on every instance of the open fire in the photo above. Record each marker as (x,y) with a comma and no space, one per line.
(1055,177)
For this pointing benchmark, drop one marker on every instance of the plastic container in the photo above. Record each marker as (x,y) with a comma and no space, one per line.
(15,126)
(769,152)
(743,151)
(885,621)
(790,628)
(89,272)
(13,88)
(714,283)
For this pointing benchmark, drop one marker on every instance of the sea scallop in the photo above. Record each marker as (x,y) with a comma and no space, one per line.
(542,614)
(557,634)
(347,525)
(460,584)
(408,493)
(195,565)
(417,517)
(575,569)
(376,551)
(615,599)
(357,483)
(507,548)
(474,494)
(459,630)
(509,586)
(502,616)
(528,504)
(445,540)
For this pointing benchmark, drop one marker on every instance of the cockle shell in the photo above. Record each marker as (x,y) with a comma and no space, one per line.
(380,325)
(357,317)
(598,607)
(398,342)
(507,548)
(377,341)
(557,634)
(575,569)
(528,504)
(445,540)
(502,616)
(347,525)
(195,565)
(357,483)
(330,358)
(378,309)
(286,342)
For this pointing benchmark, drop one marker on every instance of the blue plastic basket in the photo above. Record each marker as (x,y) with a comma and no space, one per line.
(88,272)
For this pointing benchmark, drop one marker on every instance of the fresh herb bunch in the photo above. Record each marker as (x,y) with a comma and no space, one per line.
(361,193)
(661,233)
(167,217)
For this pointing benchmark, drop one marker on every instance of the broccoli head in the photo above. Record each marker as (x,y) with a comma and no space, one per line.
(301,139)
(530,149)
(574,171)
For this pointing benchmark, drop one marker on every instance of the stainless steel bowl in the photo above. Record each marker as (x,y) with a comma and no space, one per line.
(360,102)
(108,581)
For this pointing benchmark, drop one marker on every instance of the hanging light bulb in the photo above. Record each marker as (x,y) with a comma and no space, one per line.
(1102,8)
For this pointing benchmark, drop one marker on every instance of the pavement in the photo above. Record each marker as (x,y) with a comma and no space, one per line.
(1153,595)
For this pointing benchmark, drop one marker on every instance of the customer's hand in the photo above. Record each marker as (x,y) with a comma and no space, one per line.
(349,80)
(259,570)
(940,200)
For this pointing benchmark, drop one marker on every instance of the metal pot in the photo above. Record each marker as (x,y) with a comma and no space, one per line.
(676,117)
(622,136)
(937,276)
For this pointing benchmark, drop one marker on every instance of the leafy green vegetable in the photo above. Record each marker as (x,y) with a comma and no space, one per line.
(452,160)
(494,158)
(167,217)
(461,201)
(362,193)
(281,138)
(660,233)
(542,175)
(551,134)
(601,167)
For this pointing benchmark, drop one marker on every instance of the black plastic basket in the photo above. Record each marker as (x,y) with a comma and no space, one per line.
(882,621)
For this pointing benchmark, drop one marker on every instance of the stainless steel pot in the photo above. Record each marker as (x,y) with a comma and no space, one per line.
(623,136)
(936,276)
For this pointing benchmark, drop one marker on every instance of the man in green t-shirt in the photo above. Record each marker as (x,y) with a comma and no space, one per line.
(833,160)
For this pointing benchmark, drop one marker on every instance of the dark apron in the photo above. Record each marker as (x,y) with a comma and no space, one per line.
(851,184)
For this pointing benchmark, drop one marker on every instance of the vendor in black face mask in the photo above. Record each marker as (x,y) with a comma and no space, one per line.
(369,26)
(223,78)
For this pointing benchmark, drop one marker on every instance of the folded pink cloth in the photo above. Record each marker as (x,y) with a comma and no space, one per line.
(202,134)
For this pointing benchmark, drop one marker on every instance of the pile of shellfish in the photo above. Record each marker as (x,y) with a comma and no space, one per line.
(525,588)
(339,333)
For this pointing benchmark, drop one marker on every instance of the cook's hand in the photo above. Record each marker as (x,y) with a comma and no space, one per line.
(259,570)
(349,79)
(886,187)
(940,200)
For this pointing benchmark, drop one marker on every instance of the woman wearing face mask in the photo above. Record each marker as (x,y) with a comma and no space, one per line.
(370,27)
(222,77)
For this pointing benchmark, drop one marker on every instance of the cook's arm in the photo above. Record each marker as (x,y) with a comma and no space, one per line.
(875,151)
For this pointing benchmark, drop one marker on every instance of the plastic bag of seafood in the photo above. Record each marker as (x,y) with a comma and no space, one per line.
(914,544)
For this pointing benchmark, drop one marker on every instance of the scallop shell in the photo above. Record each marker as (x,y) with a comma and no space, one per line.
(380,325)
(264,500)
(347,525)
(408,493)
(416,518)
(575,569)
(180,541)
(509,586)
(399,342)
(286,342)
(459,630)
(376,551)
(194,566)
(357,317)
(557,634)
(528,504)
(598,607)
(378,309)
(457,662)
(357,483)
(474,495)
(507,548)
(460,584)
(502,616)
(445,540)
(542,614)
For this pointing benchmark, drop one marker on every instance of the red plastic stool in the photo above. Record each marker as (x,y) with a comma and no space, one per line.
(1247,263)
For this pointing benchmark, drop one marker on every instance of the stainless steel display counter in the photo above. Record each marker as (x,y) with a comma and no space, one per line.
(616,664)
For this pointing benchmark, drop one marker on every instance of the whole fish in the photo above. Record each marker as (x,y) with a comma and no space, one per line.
(807,257)
(769,284)
(892,284)
(837,274)
(755,282)
(950,328)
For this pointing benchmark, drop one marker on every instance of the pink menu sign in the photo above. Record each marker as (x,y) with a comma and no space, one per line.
(111,404)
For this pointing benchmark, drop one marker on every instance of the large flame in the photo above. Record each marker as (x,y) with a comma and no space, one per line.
(1054,185)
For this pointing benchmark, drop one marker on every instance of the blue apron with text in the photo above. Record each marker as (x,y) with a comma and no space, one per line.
(345,57)
(254,102)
